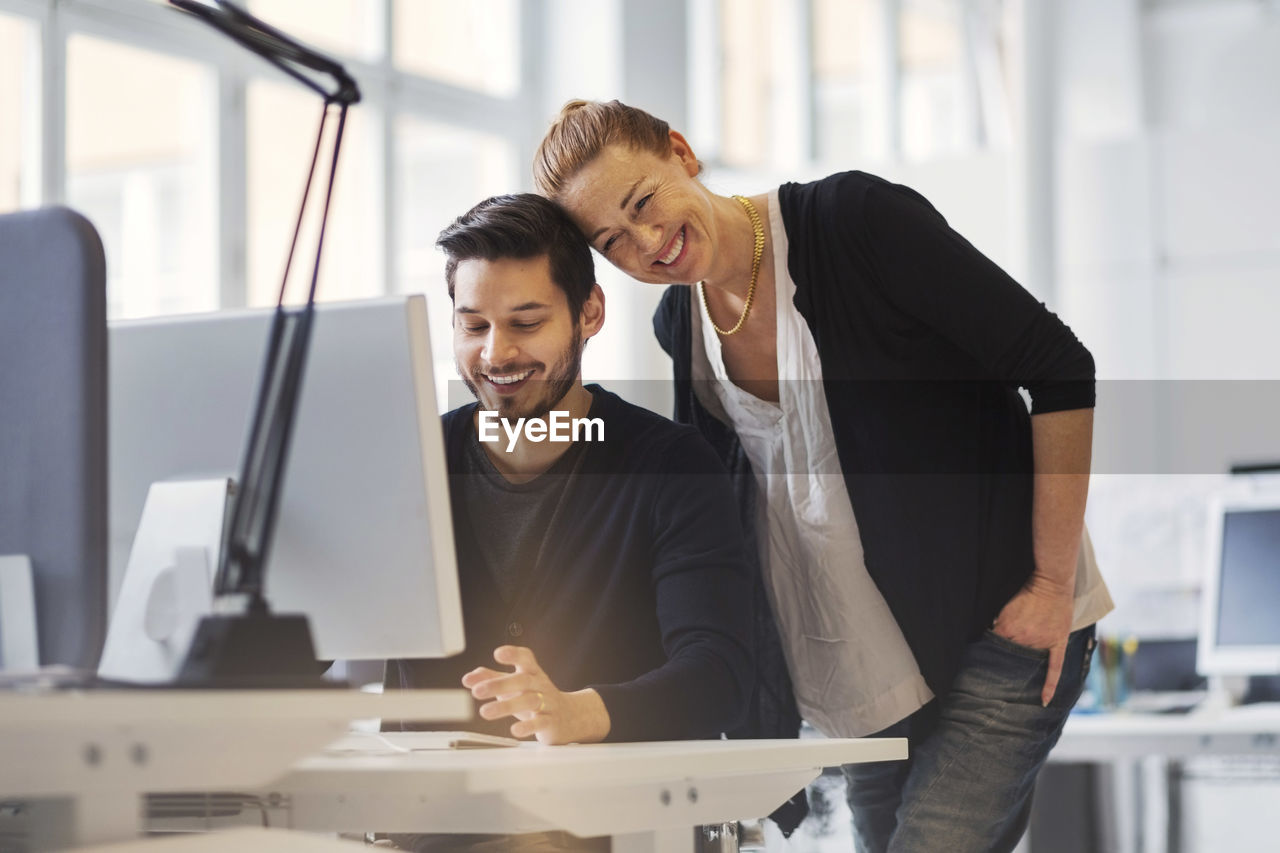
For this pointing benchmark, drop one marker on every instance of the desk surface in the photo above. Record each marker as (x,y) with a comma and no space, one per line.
(259,840)
(1247,730)
(532,764)
(105,748)
(90,709)
(64,741)
(592,789)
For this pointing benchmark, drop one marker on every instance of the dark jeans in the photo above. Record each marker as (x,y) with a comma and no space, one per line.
(974,755)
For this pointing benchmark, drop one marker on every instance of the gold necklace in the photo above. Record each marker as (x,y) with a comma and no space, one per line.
(758,227)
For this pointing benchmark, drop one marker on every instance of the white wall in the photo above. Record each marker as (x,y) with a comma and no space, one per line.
(1168,245)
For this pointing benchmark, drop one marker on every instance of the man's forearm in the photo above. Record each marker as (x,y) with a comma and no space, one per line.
(1062,445)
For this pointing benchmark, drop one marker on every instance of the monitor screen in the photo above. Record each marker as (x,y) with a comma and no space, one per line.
(1249,578)
(363,542)
(1240,632)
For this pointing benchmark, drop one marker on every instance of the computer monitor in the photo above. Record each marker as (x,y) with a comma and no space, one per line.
(1240,621)
(364,540)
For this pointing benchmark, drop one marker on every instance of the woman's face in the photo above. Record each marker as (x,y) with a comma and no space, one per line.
(647,214)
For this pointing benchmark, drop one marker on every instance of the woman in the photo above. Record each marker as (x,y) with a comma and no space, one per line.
(919,531)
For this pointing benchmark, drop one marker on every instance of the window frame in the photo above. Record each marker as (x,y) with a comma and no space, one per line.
(796,140)
(388,91)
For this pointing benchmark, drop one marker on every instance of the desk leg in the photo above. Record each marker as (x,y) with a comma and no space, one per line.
(103,816)
(1173,798)
(1120,807)
(679,840)
(1159,809)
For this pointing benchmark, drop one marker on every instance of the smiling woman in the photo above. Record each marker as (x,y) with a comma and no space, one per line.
(856,363)
(650,214)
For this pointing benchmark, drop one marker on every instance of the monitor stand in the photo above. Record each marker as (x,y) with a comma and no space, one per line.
(1225,692)
(253,649)
(170,630)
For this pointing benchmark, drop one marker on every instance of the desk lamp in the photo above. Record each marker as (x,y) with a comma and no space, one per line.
(243,643)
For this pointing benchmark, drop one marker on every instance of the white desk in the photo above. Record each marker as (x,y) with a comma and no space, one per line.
(103,749)
(1250,730)
(257,839)
(648,796)
(1145,751)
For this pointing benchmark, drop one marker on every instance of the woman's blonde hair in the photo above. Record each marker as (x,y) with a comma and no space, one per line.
(584,129)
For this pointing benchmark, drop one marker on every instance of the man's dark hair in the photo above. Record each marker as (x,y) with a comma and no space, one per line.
(522,226)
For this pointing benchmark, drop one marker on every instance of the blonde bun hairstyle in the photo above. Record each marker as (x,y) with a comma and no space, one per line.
(585,128)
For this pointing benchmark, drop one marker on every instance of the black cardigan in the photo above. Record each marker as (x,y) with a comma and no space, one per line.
(923,343)
(638,589)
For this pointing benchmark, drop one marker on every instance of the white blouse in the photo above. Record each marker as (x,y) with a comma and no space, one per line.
(852,670)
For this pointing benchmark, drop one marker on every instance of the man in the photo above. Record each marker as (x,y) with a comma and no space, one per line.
(604,576)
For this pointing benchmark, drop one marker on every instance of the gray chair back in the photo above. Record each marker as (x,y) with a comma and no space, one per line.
(53,424)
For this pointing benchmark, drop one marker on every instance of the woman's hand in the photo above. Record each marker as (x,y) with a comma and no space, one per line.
(1039,617)
(1040,614)
(540,708)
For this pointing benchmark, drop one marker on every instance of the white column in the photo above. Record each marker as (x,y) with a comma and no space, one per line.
(53,113)
(888,76)
(791,116)
(655,58)
(1033,161)
(230,189)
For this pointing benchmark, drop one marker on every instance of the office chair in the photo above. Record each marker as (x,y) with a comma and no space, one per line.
(53,424)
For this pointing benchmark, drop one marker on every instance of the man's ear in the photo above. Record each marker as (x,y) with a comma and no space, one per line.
(592,316)
(683,151)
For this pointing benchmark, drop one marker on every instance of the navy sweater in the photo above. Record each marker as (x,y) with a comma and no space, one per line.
(640,589)
(923,343)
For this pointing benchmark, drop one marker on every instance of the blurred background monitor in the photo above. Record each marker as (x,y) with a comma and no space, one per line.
(1240,630)
(363,543)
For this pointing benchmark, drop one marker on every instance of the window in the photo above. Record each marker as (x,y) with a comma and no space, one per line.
(443,172)
(282,121)
(140,164)
(848,117)
(189,156)
(19,160)
(883,79)
(934,107)
(747,74)
(349,27)
(475,45)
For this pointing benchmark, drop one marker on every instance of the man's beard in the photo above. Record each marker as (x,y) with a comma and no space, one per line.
(559,381)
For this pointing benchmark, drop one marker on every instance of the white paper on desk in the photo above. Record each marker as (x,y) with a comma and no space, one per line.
(388,743)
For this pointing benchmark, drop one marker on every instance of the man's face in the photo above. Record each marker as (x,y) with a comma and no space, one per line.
(515,344)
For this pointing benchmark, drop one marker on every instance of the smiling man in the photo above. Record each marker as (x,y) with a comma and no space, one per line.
(603,579)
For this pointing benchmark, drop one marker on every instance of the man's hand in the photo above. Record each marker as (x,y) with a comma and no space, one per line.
(1039,617)
(540,708)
